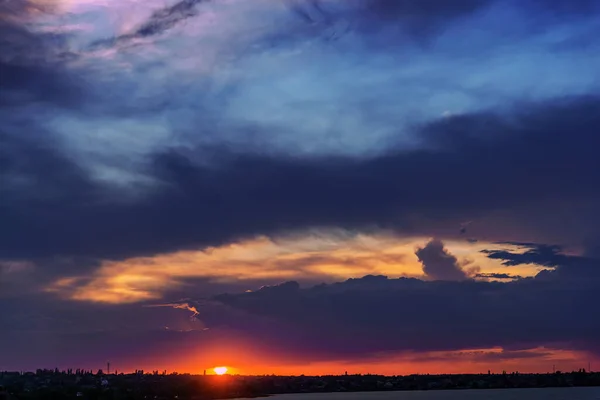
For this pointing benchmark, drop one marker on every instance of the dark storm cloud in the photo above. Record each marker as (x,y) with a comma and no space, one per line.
(40,331)
(23,83)
(31,62)
(34,171)
(351,320)
(541,254)
(419,18)
(377,14)
(474,163)
(562,266)
(438,11)
(438,263)
(440,8)
(425,18)
(580,7)
(412,315)
(310,11)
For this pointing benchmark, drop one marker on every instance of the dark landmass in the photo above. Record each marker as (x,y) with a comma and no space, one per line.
(85,385)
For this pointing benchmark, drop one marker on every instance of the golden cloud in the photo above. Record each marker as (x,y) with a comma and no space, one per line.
(310,257)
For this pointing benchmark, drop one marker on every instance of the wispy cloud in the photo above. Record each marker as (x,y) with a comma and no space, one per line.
(179,306)
(498,276)
(159,22)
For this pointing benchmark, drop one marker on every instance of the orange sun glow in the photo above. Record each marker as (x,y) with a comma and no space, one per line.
(220,370)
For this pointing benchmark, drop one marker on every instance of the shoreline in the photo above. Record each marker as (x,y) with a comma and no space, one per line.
(410,390)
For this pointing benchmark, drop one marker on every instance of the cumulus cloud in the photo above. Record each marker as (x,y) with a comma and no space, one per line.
(438,263)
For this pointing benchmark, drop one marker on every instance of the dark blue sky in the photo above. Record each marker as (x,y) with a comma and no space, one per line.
(155,155)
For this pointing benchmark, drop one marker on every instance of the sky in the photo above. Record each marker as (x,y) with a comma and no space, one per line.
(300,186)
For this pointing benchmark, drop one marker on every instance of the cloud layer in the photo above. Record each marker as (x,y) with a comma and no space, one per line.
(337,321)
(193,203)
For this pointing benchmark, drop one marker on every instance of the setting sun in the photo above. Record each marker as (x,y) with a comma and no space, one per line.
(220,370)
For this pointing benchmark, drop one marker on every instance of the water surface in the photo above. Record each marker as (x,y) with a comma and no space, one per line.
(491,394)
